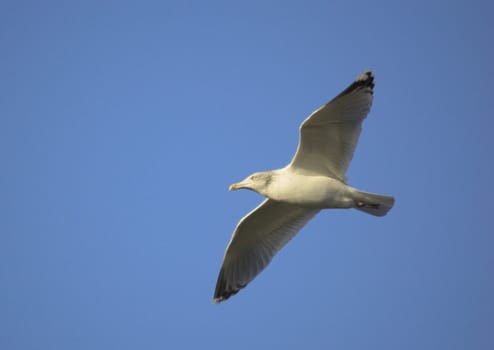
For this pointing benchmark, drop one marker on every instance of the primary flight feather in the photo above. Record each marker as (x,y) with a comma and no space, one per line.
(314,180)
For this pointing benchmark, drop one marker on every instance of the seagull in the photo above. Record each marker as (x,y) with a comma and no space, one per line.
(314,180)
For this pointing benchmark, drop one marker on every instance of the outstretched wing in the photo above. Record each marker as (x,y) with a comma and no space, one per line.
(257,238)
(328,137)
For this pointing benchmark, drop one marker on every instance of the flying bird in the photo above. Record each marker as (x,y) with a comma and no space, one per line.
(314,180)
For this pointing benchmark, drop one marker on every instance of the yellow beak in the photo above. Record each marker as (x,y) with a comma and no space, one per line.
(235,187)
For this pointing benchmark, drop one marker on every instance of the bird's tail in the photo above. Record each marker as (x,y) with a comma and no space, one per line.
(372,203)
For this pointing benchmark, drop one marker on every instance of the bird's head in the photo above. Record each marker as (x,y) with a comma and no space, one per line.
(258,182)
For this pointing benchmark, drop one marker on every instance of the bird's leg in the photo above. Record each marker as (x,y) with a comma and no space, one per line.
(361,204)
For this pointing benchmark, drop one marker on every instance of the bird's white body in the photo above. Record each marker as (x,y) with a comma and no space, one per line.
(310,191)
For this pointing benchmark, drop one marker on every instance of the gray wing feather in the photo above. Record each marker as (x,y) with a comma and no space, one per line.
(328,137)
(257,238)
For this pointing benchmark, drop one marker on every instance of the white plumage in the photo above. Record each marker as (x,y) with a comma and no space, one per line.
(314,180)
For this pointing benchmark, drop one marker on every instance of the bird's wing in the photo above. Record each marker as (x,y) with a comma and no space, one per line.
(257,238)
(328,137)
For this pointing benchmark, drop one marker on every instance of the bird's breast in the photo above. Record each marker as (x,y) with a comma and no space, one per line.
(312,191)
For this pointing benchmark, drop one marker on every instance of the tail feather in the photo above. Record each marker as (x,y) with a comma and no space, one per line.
(373,203)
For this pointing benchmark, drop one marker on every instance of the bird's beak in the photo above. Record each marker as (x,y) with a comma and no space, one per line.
(245,183)
(235,186)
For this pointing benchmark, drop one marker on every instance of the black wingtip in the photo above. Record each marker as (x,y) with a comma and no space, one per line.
(222,295)
(364,81)
(222,292)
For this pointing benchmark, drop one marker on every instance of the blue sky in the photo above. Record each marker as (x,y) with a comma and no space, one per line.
(122,124)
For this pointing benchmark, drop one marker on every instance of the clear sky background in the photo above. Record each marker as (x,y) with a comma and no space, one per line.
(122,124)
